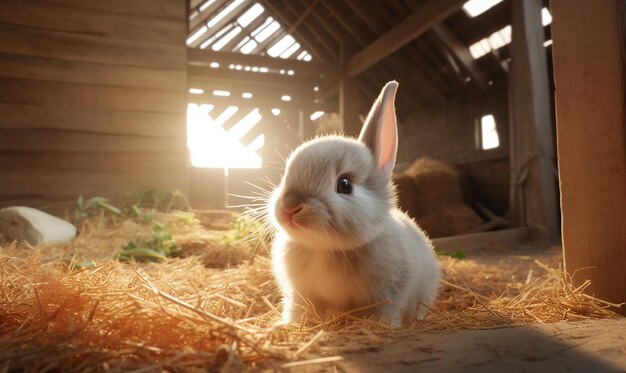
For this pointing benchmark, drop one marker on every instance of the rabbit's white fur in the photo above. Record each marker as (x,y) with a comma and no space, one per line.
(344,251)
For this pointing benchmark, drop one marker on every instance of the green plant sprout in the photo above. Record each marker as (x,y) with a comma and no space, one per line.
(455,254)
(243,227)
(93,206)
(158,248)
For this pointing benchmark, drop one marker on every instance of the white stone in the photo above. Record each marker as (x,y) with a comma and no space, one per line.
(34,226)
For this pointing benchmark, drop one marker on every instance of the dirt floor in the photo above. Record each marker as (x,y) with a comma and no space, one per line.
(587,346)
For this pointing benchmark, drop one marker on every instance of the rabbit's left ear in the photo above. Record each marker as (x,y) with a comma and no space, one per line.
(380,131)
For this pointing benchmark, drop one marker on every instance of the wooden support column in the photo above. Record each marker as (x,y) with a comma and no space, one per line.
(533,167)
(589,74)
(349,106)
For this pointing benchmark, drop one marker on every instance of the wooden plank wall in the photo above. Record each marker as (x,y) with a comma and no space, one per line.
(446,130)
(92,98)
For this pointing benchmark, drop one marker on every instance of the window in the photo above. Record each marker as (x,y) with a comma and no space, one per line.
(489,138)
(474,8)
(213,146)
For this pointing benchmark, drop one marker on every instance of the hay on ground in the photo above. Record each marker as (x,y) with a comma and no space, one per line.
(180,315)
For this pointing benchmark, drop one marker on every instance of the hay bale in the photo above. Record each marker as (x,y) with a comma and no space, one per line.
(437,185)
(430,191)
(405,192)
(449,221)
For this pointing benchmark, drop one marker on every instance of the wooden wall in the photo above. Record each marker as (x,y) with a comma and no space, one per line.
(92,98)
(446,130)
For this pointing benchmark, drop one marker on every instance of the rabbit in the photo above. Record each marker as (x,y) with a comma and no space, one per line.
(341,243)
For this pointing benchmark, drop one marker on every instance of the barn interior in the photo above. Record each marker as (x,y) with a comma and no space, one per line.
(158,129)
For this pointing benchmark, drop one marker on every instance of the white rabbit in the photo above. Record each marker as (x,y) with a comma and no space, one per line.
(341,241)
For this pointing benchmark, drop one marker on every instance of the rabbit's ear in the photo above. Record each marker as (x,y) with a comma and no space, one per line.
(380,131)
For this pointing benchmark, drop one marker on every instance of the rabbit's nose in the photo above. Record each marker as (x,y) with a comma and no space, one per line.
(292,210)
(292,203)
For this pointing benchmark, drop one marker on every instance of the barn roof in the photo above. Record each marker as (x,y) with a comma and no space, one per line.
(435,48)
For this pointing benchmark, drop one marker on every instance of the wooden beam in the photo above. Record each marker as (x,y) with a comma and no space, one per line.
(200,73)
(264,103)
(533,167)
(589,74)
(349,106)
(202,16)
(461,53)
(302,36)
(413,26)
(311,68)
(227,20)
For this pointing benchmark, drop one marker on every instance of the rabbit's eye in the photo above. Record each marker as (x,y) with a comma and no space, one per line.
(344,185)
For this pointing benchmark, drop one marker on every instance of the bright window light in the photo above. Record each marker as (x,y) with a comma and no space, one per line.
(301,55)
(227,38)
(215,20)
(250,15)
(211,146)
(285,98)
(474,8)
(267,21)
(291,50)
(546,17)
(488,133)
(307,58)
(246,95)
(216,36)
(264,69)
(290,72)
(221,93)
(248,47)
(267,32)
(280,46)
(316,115)
(206,5)
(547,43)
(196,91)
(276,112)
(214,65)
(496,40)
(197,34)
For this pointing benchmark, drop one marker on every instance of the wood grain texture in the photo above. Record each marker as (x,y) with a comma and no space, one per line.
(534,203)
(88,48)
(21,91)
(28,140)
(42,14)
(92,98)
(142,9)
(56,70)
(591,126)
(107,184)
(91,120)
(70,161)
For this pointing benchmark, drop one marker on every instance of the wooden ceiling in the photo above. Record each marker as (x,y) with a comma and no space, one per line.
(349,33)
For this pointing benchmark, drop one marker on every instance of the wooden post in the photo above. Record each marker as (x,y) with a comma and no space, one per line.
(588,53)
(533,168)
(349,106)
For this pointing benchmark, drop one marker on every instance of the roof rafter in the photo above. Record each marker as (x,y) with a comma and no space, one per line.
(413,26)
